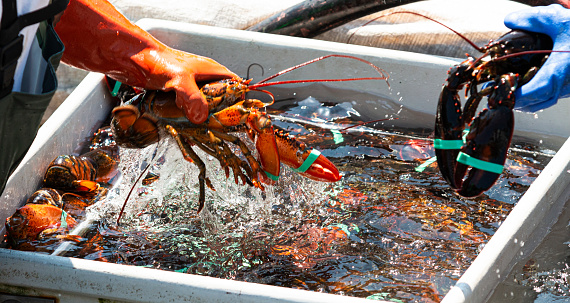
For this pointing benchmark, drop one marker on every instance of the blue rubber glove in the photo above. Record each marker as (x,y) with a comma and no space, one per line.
(552,81)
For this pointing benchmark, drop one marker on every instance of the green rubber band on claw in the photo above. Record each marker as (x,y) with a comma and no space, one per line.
(447,144)
(337,136)
(427,163)
(272,177)
(479,164)
(308,162)
(115,90)
(63,219)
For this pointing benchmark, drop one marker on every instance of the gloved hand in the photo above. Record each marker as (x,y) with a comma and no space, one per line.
(99,38)
(552,81)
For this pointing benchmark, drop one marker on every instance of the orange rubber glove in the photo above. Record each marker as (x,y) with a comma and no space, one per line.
(99,38)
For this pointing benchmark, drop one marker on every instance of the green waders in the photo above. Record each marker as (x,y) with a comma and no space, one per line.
(21,113)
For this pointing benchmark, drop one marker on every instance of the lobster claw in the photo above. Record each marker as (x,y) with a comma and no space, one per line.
(322,169)
(448,133)
(308,163)
(488,141)
(485,151)
(449,124)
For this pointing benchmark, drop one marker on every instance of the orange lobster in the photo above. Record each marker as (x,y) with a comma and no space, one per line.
(36,221)
(141,126)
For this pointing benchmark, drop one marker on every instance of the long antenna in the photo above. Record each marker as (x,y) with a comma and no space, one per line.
(480,49)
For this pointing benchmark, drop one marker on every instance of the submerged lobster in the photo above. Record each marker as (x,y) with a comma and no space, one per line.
(156,114)
(509,62)
(71,184)
(81,173)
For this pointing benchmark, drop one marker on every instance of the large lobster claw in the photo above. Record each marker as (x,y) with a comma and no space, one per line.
(488,141)
(449,123)
(309,163)
(486,145)
(486,151)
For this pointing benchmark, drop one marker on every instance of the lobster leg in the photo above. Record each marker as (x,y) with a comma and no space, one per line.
(308,163)
(213,143)
(488,140)
(246,112)
(191,156)
(255,169)
(237,164)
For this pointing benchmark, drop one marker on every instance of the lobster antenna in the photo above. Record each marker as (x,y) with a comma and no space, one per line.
(255,86)
(539,51)
(379,70)
(267,92)
(130,192)
(368,122)
(480,49)
(542,51)
(135,184)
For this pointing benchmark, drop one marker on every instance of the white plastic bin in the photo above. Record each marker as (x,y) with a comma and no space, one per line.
(415,81)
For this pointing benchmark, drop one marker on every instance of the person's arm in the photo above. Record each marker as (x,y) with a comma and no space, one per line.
(552,81)
(99,38)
